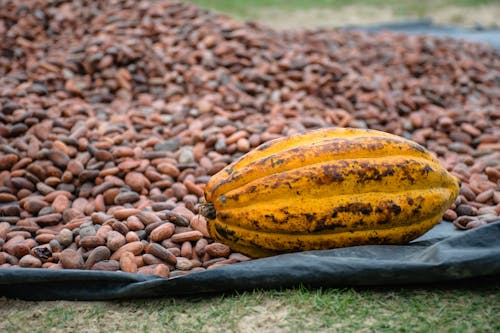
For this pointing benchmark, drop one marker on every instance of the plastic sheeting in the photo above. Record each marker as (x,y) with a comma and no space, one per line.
(443,254)
(426,27)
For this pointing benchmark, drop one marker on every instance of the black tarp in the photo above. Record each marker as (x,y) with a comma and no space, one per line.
(426,27)
(443,254)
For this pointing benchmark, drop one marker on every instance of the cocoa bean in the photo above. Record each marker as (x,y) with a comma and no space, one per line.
(187,250)
(187,236)
(239,257)
(7,161)
(135,247)
(65,237)
(200,246)
(450,215)
(162,232)
(100,253)
(199,223)
(115,240)
(132,237)
(148,217)
(157,269)
(42,252)
(127,263)
(7,197)
(159,251)
(218,250)
(150,259)
(71,259)
(183,264)
(133,223)
(30,261)
(485,196)
(90,242)
(106,265)
(122,214)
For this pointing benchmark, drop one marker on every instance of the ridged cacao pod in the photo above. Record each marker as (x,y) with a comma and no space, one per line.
(325,189)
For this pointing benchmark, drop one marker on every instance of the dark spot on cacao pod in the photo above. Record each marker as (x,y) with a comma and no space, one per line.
(427,169)
(385,220)
(222,198)
(224,232)
(222,216)
(310,217)
(417,211)
(395,209)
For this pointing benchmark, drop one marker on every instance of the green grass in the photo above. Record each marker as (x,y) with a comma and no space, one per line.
(252,8)
(455,309)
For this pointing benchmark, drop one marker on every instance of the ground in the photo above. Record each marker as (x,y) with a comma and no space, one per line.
(450,308)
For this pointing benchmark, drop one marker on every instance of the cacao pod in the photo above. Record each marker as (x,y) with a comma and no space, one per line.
(327,188)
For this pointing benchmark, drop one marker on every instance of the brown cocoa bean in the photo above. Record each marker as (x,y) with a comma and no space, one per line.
(7,197)
(65,237)
(90,242)
(127,263)
(148,217)
(4,228)
(168,169)
(44,238)
(42,252)
(100,253)
(162,232)
(133,223)
(30,261)
(199,223)
(60,203)
(135,247)
(450,215)
(218,250)
(131,237)
(106,265)
(159,251)
(222,263)
(157,269)
(150,259)
(122,214)
(136,181)
(7,161)
(239,257)
(187,250)
(115,240)
(183,264)
(187,236)
(485,196)
(200,246)
(71,259)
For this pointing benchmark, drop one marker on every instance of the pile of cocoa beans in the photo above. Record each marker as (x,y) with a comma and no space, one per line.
(114,115)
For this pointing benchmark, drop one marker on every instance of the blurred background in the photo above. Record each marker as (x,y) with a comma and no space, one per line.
(290,14)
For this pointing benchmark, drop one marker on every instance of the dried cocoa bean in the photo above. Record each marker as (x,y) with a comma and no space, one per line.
(127,262)
(218,250)
(71,259)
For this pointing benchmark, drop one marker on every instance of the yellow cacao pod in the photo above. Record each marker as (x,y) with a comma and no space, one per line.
(327,188)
